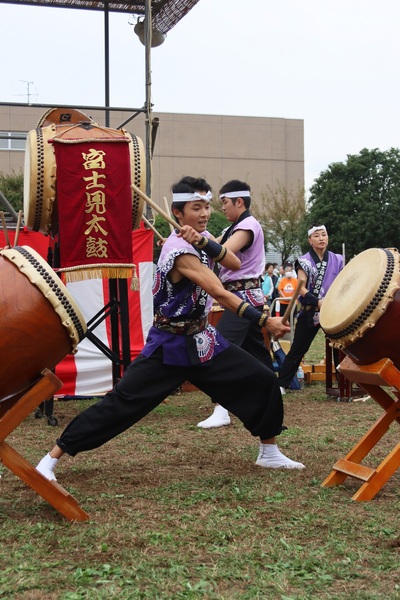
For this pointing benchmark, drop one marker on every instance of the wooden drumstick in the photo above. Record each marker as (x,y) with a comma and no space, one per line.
(292,302)
(156,207)
(5,228)
(154,230)
(18,228)
(167,211)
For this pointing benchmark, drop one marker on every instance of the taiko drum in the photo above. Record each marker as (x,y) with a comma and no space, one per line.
(361,311)
(40,170)
(40,323)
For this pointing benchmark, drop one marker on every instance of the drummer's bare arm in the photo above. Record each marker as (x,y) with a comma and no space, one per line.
(239,240)
(219,253)
(189,266)
(301,276)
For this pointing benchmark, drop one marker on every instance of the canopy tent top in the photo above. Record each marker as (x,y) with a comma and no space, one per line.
(165,13)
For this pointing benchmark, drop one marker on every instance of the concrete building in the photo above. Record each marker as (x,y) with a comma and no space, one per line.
(260,150)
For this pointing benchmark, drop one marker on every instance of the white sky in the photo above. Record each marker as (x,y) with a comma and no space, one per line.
(333,63)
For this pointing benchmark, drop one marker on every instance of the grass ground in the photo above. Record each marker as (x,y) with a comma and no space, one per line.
(178,512)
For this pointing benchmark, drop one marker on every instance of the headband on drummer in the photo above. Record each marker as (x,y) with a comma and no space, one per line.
(242,194)
(316,228)
(191,197)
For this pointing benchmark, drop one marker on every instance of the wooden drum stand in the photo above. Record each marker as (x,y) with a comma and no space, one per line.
(12,412)
(372,378)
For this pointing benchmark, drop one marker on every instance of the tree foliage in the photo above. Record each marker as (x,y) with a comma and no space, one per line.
(359,201)
(12,187)
(218,221)
(281,217)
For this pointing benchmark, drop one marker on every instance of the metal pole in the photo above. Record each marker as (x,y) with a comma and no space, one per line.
(7,206)
(107,62)
(149,117)
(117,287)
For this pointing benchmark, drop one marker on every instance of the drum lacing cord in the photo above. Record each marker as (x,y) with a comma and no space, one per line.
(137,177)
(114,137)
(55,288)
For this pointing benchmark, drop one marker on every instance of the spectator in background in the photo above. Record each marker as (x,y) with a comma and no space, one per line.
(268,284)
(286,288)
(290,264)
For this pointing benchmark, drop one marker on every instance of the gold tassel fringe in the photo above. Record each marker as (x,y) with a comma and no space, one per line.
(135,280)
(73,274)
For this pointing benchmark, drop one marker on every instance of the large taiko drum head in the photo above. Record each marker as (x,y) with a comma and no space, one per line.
(40,323)
(40,170)
(360,313)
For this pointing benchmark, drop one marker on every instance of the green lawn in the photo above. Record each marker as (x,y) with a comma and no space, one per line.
(178,512)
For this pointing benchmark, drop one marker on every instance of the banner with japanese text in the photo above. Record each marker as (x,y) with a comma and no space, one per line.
(94,203)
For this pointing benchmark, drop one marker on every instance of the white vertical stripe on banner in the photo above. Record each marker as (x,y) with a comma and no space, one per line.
(146,296)
(94,369)
(89,371)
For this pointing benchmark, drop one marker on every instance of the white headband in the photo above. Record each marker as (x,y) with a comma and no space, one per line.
(190,197)
(316,228)
(243,194)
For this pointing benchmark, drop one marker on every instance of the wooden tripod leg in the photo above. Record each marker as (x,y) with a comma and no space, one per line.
(350,465)
(16,412)
(42,390)
(373,378)
(381,475)
(50,491)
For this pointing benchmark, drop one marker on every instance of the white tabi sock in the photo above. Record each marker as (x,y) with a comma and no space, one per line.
(46,467)
(271,457)
(219,418)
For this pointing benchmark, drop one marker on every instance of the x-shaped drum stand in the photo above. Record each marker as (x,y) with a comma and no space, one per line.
(12,412)
(373,378)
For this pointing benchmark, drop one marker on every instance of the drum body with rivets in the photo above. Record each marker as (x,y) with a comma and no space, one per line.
(361,311)
(40,323)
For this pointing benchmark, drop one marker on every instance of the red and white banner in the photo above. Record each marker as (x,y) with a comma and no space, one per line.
(37,241)
(89,371)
